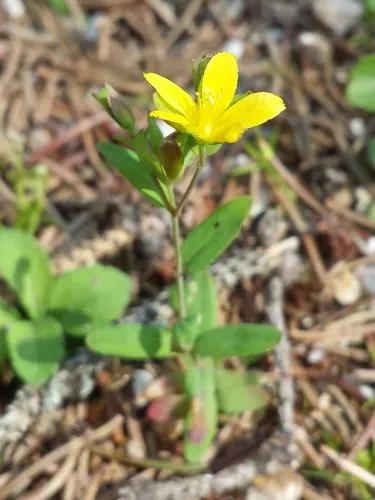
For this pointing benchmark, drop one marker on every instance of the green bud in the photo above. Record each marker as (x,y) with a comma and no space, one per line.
(116,107)
(199,70)
(170,156)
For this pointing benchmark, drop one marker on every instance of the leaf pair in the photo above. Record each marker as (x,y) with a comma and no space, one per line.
(70,304)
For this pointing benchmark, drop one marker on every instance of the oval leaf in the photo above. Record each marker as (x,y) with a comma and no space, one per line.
(201,300)
(24,266)
(210,238)
(236,340)
(7,315)
(131,341)
(361,89)
(87,296)
(35,349)
(129,165)
(201,421)
(237,392)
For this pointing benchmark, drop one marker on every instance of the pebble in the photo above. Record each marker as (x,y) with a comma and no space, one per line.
(340,16)
(366,274)
(235,47)
(14,8)
(345,286)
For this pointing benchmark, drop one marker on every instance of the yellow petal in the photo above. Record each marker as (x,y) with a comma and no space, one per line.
(173,95)
(219,82)
(252,110)
(178,121)
(230,133)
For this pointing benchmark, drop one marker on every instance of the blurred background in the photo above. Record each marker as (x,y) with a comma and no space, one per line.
(310,173)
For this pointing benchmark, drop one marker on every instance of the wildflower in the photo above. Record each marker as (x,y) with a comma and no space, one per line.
(214,116)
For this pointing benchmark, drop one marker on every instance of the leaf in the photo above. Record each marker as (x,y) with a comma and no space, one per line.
(136,172)
(131,341)
(208,240)
(185,331)
(201,421)
(361,89)
(237,392)
(236,340)
(201,300)
(35,349)
(8,314)
(88,296)
(154,134)
(25,267)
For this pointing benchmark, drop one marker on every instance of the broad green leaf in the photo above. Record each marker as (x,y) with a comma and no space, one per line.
(8,314)
(238,392)
(88,296)
(24,266)
(236,340)
(208,240)
(201,421)
(131,341)
(361,89)
(135,171)
(35,348)
(201,300)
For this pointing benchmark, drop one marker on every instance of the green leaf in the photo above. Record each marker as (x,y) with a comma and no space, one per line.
(201,421)
(88,296)
(135,171)
(25,267)
(60,6)
(236,340)
(131,341)
(35,349)
(237,392)
(361,89)
(154,134)
(201,300)
(208,240)
(185,331)
(8,314)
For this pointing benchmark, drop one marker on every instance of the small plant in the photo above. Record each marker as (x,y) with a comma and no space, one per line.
(28,185)
(32,334)
(153,165)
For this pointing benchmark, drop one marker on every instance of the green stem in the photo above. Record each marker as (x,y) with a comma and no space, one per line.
(171,208)
(177,242)
(200,165)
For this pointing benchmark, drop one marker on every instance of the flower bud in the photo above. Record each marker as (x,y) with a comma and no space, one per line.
(116,107)
(170,156)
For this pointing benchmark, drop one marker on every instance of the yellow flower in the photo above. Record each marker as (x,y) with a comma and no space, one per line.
(211,117)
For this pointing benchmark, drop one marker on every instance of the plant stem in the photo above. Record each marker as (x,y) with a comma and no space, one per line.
(177,242)
(171,208)
(200,165)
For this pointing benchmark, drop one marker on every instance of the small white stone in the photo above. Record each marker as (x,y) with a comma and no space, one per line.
(166,129)
(315,356)
(357,127)
(367,391)
(338,15)
(235,46)
(14,8)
